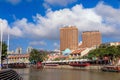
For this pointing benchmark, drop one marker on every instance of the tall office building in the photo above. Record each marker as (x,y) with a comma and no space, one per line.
(91,39)
(29,49)
(68,38)
(18,51)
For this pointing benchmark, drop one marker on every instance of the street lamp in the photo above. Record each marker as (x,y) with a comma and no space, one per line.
(8,48)
(1,43)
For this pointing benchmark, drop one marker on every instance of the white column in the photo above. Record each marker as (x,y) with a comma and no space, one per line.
(8,48)
(1,43)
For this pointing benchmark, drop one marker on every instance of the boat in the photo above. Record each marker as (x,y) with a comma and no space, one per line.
(111,68)
(16,65)
(39,65)
(79,64)
(36,66)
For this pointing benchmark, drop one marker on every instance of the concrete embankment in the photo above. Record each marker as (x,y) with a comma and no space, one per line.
(71,67)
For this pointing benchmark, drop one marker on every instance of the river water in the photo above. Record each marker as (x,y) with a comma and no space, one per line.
(66,74)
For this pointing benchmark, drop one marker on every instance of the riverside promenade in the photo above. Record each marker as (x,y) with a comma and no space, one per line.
(65,64)
(97,67)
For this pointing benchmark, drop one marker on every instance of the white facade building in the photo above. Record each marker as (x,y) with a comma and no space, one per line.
(18,51)
(29,49)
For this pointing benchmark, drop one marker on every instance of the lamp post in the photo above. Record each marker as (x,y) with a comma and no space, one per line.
(1,44)
(8,48)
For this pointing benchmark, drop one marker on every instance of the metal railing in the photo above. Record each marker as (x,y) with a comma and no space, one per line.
(9,75)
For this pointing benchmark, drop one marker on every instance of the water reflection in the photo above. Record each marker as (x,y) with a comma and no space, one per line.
(66,74)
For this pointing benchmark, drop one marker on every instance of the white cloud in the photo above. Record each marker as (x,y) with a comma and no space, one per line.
(56,45)
(15,31)
(110,19)
(46,6)
(58,2)
(102,17)
(38,43)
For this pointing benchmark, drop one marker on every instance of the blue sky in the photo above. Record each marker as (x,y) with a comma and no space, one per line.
(36,23)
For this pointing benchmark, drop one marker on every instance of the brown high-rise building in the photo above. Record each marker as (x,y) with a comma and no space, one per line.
(68,38)
(91,39)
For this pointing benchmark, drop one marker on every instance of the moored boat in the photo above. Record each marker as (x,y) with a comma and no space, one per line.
(39,65)
(111,68)
(79,64)
(16,65)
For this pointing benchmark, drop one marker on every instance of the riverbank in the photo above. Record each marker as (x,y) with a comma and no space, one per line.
(97,67)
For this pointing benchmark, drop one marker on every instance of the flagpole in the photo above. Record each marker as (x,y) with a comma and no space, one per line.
(8,48)
(1,44)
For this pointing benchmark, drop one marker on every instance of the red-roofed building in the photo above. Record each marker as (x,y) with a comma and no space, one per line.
(17,58)
(79,53)
(114,43)
(52,56)
(76,53)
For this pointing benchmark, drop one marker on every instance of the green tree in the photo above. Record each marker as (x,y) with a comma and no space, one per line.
(4,50)
(57,59)
(37,56)
(112,51)
(118,48)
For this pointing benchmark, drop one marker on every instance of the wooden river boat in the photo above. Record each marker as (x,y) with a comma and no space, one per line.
(111,68)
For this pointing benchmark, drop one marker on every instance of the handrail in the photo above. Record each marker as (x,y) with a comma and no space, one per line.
(9,74)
